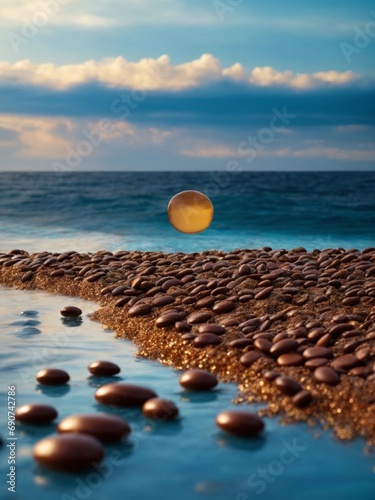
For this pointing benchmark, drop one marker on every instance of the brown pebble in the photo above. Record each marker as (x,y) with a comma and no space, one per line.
(224,306)
(35,414)
(264,293)
(27,276)
(362,354)
(288,385)
(103,368)
(317,352)
(168,319)
(52,376)
(105,427)
(163,300)
(160,409)
(212,328)
(181,327)
(326,375)
(345,362)
(69,452)
(198,317)
(140,310)
(123,395)
(283,346)
(302,399)
(249,358)
(271,375)
(315,362)
(240,343)
(70,312)
(205,339)
(290,359)
(263,345)
(240,423)
(198,380)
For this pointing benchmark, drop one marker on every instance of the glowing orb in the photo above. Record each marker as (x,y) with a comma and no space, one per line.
(190,212)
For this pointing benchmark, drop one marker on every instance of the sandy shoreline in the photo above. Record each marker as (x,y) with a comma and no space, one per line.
(320,299)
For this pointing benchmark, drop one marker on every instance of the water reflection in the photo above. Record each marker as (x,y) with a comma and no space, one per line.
(71,322)
(95,381)
(199,397)
(29,313)
(53,391)
(28,330)
(27,322)
(237,443)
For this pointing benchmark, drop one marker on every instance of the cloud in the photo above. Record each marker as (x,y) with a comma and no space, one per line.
(217,151)
(268,76)
(161,74)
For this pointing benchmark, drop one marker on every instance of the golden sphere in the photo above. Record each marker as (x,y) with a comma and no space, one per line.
(190,212)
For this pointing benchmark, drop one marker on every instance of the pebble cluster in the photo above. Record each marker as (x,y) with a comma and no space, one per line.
(80,441)
(295,329)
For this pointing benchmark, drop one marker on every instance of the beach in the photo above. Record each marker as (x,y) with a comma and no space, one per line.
(224,312)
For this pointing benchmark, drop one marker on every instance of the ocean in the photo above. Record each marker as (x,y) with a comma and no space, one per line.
(112,211)
(189,459)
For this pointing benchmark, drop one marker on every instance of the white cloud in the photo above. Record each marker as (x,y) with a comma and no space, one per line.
(159,74)
(268,76)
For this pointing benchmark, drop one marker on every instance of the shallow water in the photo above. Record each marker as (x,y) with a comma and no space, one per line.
(189,459)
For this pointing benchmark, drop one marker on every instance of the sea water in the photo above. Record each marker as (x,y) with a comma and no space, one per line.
(189,458)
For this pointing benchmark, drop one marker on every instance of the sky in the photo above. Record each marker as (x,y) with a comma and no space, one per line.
(187,84)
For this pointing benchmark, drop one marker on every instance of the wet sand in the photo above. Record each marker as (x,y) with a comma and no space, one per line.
(239,315)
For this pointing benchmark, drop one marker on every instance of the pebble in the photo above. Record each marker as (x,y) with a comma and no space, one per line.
(123,395)
(205,339)
(326,375)
(198,380)
(302,399)
(283,347)
(317,352)
(105,427)
(140,310)
(240,423)
(35,414)
(212,328)
(160,409)
(69,452)
(163,300)
(271,375)
(224,306)
(52,376)
(103,368)
(345,362)
(249,358)
(198,317)
(168,319)
(288,385)
(70,312)
(290,359)
(315,362)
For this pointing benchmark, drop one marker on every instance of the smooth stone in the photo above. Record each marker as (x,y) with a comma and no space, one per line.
(103,368)
(264,293)
(212,328)
(140,310)
(302,399)
(205,339)
(70,312)
(182,327)
(326,375)
(345,362)
(240,343)
(290,359)
(105,427)
(35,414)
(315,363)
(283,346)
(198,317)
(198,380)
(69,452)
(263,345)
(249,358)
(224,306)
(52,376)
(288,385)
(123,395)
(168,319)
(271,375)
(317,352)
(240,423)
(163,300)
(29,313)
(160,409)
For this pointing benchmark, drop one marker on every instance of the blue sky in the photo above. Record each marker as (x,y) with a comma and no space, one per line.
(174,84)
